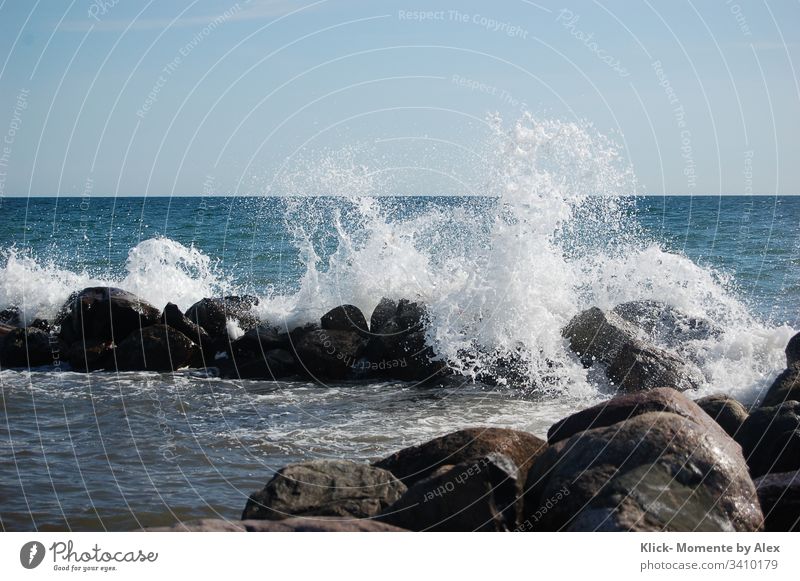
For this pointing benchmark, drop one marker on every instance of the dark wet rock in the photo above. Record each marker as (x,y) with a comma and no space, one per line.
(658,471)
(258,340)
(155,348)
(345,318)
(480,495)
(469,445)
(386,309)
(729,413)
(104,314)
(336,488)
(631,363)
(779,495)
(793,351)
(29,347)
(770,439)
(666,324)
(329,354)
(174,318)
(11,316)
(270,365)
(623,407)
(786,387)
(91,355)
(319,525)
(213,314)
(42,325)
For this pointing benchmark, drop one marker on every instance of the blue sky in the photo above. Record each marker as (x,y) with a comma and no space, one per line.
(124,97)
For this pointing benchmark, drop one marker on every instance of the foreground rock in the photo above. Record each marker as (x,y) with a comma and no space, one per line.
(729,413)
(631,363)
(214,315)
(779,495)
(104,314)
(628,406)
(464,446)
(793,351)
(289,525)
(91,355)
(325,354)
(481,495)
(786,387)
(337,488)
(658,471)
(29,347)
(345,318)
(770,439)
(156,348)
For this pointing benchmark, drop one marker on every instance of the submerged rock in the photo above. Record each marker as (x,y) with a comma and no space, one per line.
(786,387)
(479,495)
(729,413)
(469,445)
(28,347)
(631,363)
(104,314)
(325,488)
(657,471)
(213,314)
(770,439)
(779,495)
(156,348)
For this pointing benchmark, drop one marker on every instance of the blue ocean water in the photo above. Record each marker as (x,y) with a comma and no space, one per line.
(122,450)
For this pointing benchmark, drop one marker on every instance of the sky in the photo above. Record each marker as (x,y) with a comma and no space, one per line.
(193,97)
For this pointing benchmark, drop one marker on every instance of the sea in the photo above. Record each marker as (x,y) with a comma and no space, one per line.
(499,272)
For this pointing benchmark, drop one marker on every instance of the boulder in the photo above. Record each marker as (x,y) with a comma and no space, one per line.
(665,324)
(479,495)
(155,348)
(779,495)
(657,471)
(345,318)
(104,314)
(786,387)
(173,317)
(91,355)
(11,316)
(336,488)
(729,413)
(329,354)
(213,314)
(469,445)
(793,351)
(29,347)
(631,363)
(270,365)
(770,439)
(319,525)
(386,309)
(201,525)
(623,407)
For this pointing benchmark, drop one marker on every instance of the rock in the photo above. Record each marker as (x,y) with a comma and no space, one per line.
(213,314)
(319,524)
(173,317)
(325,488)
(623,407)
(729,413)
(11,316)
(786,387)
(202,525)
(417,462)
(271,365)
(385,310)
(631,363)
(665,324)
(770,439)
(91,355)
(156,348)
(329,354)
(793,351)
(480,495)
(657,471)
(345,318)
(30,347)
(104,314)
(779,495)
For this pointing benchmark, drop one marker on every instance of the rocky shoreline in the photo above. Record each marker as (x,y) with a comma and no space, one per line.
(649,459)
